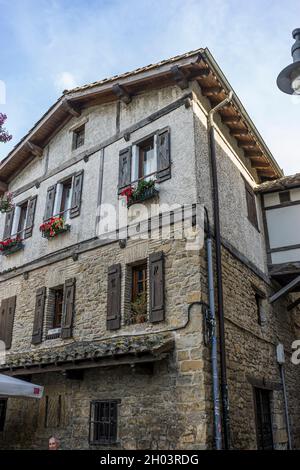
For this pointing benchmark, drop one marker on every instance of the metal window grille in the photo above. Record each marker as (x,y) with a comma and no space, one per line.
(103,422)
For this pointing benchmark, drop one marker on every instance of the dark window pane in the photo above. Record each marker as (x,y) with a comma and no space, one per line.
(3,404)
(263,419)
(103,422)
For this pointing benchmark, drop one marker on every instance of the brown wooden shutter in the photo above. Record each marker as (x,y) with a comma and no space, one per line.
(124,168)
(114,297)
(3,318)
(163,155)
(156,284)
(8,224)
(30,217)
(251,205)
(50,202)
(10,315)
(37,333)
(68,309)
(76,195)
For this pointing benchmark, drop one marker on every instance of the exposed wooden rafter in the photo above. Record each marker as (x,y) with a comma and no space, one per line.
(231,119)
(179,77)
(73,110)
(259,164)
(121,93)
(34,149)
(237,132)
(212,90)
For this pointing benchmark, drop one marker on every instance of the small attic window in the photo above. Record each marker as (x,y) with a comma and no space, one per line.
(284,196)
(78,137)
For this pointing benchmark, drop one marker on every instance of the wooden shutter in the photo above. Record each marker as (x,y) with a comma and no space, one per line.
(114,297)
(8,224)
(37,333)
(30,217)
(251,205)
(156,284)
(163,155)
(124,168)
(10,315)
(3,311)
(68,309)
(50,202)
(76,195)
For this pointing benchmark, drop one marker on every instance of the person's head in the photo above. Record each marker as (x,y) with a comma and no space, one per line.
(53,443)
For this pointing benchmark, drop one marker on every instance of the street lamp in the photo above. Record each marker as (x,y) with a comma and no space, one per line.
(288,80)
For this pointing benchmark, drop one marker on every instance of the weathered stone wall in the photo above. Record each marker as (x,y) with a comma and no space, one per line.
(251,355)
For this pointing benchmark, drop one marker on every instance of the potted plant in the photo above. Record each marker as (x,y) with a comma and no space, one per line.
(11,245)
(54,227)
(144,190)
(139,309)
(6,202)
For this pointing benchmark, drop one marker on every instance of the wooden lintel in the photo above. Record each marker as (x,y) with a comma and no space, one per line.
(35,149)
(236,132)
(212,90)
(121,93)
(3,186)
(231,119)
(179,77)
(73,110)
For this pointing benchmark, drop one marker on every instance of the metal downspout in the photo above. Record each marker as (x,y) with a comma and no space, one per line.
(216,209)
(213,339)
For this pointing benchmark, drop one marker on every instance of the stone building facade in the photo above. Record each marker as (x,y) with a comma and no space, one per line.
(114,328)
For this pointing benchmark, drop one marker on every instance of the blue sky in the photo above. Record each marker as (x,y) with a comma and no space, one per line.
(50,45)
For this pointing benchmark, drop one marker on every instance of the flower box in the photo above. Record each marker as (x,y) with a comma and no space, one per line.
(143,191)
(53,227)
(10,246)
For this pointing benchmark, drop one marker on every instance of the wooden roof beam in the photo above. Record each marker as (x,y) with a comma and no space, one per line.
(179,77)
(231,119)
(121,93)
(253,154)
(237,132)
(259,164)
(34,149)
(73,110)
(265,172)
(212,90)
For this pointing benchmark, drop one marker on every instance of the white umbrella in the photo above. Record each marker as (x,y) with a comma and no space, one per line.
(11,387)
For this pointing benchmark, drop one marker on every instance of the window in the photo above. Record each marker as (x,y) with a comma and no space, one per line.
(138,304)
(262,400)
(103,422)
(22,219)
(251,205)
(3,404)
(53,411)
(144,160)
(78,137)
(284,196)
(260,297)
(64,198)
(66,193)
(55,311)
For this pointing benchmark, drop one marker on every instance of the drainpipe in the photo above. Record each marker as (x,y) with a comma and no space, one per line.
(216,210)
(213,338)
(280,356)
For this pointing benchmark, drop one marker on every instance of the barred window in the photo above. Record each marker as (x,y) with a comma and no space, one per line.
(103,421)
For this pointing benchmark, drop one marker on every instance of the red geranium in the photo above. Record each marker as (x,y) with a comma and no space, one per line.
(127,192)
(52,226)
(5,244)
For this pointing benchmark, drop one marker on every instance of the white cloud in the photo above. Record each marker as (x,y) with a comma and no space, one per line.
(64,81)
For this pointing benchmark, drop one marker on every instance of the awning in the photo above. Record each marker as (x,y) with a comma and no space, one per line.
(11,387)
